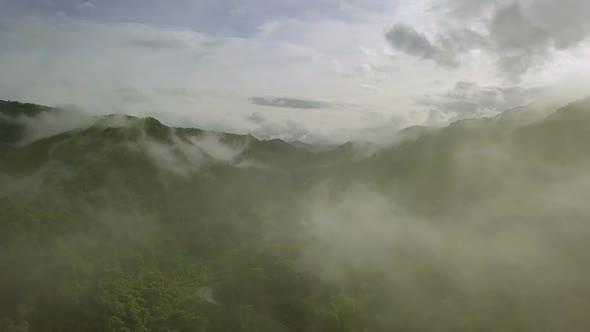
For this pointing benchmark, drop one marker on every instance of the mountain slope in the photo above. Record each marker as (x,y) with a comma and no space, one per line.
(116,222)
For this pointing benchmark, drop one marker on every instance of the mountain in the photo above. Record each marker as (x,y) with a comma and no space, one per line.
(123,223)
(10,129)
(315,148)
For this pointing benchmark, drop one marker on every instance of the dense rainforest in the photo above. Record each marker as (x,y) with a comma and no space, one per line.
(119,223)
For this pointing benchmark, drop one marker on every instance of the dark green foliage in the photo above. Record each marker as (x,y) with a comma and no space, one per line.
(10,131)
(11,112)
(96,236)
(15,109)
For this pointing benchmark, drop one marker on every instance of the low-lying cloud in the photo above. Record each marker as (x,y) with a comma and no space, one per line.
(290,103)
(188,155)
(512,231)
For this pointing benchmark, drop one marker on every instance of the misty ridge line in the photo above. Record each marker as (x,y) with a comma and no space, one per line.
(45,122)
(175,146)
(180,150)
(186,152)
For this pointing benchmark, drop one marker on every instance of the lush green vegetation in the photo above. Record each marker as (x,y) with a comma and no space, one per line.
(117,226)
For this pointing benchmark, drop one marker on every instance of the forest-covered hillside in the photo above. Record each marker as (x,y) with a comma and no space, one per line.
(118,223)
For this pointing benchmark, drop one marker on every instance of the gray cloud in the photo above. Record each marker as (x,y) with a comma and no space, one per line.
(518,34)
(525,34)
(407,39)
(256,117)
(444,51)
(518,41)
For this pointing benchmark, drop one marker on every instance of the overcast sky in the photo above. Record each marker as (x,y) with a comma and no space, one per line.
(312,70)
